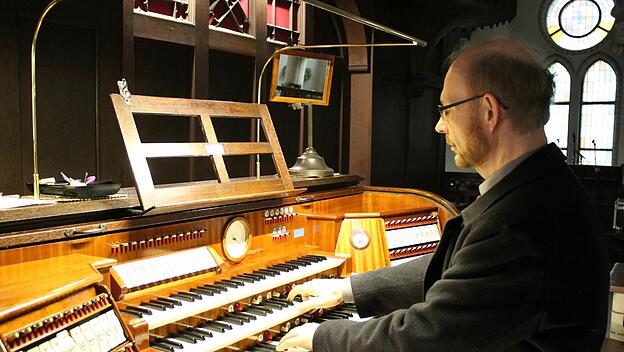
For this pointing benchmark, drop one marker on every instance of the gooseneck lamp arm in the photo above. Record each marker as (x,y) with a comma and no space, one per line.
(353,17)
(33,81)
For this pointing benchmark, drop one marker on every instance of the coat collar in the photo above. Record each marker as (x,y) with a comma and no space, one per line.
(536,165)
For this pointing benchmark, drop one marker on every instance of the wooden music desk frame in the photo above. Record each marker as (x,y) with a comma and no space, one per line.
(224,190)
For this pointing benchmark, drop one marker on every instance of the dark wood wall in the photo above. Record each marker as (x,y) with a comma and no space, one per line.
(86,46)
(76,69)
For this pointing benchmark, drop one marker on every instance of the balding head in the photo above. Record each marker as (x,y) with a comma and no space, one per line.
(510,72)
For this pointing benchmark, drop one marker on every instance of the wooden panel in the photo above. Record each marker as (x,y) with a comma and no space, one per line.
(11,180)
(62,276)
(374,255)
(166,31)
(201,52)
(153,150)
(217,158)
(232,43)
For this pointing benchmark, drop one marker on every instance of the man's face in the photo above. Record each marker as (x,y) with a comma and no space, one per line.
(461,124)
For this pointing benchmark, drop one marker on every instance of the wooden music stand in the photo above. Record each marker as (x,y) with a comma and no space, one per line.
(224,190)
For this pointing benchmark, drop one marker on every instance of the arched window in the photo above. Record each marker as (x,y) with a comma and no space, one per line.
(597,123)
(576,25)
(557,126)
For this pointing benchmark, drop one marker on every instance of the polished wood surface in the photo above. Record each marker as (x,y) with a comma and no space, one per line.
(374,255)
(54,277)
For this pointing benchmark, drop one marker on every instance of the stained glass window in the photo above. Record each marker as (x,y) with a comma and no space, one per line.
(557,126)
(174,10)
(598,115)
(578,24)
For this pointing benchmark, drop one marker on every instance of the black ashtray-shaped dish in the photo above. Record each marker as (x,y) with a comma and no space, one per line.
(92,190)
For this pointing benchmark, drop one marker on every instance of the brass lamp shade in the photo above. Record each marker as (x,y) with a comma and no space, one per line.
(310,164)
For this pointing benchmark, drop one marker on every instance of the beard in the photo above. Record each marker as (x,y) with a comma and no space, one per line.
(475,148)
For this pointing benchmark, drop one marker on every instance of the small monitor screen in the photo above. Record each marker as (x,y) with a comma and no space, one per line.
(301,77)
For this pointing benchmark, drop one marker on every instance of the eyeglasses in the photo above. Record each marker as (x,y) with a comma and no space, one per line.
(441,108)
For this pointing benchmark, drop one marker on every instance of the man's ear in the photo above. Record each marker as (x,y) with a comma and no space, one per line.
(492,112)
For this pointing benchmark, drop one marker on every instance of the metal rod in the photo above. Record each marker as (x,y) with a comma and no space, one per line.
(362,20)
(310,126)
(33,81)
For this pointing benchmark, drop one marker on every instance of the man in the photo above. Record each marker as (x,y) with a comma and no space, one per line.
(522,269)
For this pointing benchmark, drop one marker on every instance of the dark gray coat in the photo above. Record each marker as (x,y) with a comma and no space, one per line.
(524,268)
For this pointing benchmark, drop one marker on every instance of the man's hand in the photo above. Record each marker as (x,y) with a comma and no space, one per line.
(298,338)
(326,292)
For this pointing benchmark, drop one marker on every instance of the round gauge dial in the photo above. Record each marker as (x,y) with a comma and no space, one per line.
(359,239)
(236,239)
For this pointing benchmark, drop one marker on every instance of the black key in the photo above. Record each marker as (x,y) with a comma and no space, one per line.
(232,282)
(266,309)
(232,320)
(220,324)
(333,316)
(272,305)
(184,338)
(279,268)
(243,314)
(225,284)
(299,262)
(161,347)
(211,327)
(276,301)
(237,316)
(153,305)
(203,333)
(267,272)
(171,343)
(298,298)
(283,300)
(165,303)
(172,301)
(346,314)
(256,311)
(243,278)
(215,289)
(191,333)
(258,277)
(202,291)
(182,297)
(315,257)
(132,313)
(309,261)
(191,295)
(342,314)
(139,310)
(307,257)
(289,267)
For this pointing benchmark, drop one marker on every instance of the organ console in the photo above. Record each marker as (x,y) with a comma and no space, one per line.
(104,275)
(171,286)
